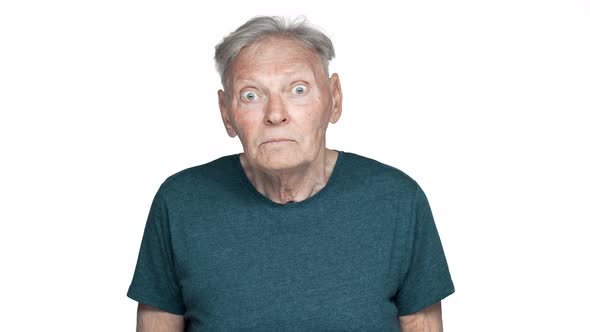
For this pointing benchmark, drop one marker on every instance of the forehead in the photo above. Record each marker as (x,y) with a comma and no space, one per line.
(276,57)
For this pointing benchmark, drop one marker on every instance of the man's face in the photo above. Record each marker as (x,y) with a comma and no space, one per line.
(279,91)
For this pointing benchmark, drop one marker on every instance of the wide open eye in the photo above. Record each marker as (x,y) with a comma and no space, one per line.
(249,95)
(300,89)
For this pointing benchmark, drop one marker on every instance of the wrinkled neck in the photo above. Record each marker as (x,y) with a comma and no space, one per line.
(292,185)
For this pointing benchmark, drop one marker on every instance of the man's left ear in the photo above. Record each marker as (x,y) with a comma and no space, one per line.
(336,94)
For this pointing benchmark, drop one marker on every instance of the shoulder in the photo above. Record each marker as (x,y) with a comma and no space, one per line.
(198,178)
(375,174)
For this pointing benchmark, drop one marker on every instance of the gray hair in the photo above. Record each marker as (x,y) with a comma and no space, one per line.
(261,27)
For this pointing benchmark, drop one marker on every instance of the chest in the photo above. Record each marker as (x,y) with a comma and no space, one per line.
(280,268)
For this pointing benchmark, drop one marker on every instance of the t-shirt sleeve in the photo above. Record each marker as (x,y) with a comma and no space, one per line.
(426,279)
(155,282)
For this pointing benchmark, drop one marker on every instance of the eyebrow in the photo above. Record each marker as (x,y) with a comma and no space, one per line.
(297,69)
(246,80)
(292,75)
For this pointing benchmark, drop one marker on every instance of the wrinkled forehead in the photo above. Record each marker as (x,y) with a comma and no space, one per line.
(276,57)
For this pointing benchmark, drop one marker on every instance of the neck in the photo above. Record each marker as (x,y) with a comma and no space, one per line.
(293,185)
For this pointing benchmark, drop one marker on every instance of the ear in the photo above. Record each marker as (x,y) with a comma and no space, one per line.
(336,94)
(224,109)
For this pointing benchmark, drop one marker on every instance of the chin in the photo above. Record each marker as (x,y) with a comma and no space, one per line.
(281,159)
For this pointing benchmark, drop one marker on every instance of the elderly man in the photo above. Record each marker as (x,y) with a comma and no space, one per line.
(288,235)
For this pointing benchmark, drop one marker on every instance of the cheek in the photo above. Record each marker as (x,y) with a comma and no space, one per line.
(247,121)
(312,122)
(320,112)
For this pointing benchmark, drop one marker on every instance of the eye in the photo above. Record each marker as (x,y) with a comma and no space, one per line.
(249,95)
(300,89)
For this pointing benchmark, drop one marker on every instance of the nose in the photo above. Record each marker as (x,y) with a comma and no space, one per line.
(276,112)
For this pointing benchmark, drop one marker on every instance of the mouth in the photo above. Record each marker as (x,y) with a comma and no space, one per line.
(278,140)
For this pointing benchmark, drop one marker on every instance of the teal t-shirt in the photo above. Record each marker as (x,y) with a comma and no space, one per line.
(352,257)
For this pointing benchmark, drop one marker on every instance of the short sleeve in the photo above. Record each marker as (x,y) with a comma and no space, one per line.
(154,281)
(426,280)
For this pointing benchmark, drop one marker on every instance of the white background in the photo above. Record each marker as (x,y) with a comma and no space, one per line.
(485,104)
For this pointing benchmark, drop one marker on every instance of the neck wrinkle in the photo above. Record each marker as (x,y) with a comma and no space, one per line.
(293,187)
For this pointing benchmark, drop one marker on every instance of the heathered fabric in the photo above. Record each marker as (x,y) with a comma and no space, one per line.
(352,257)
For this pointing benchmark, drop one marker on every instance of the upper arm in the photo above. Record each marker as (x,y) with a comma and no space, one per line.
(153,319)
(428,319)
(423,277)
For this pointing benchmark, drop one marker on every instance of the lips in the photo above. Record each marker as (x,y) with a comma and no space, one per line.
(274,140)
